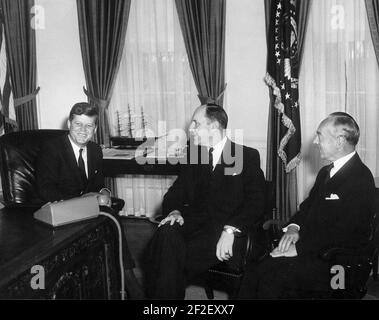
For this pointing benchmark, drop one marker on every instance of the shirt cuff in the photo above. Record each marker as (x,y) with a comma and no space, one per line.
(285,229)
(175,211)
(233,228)
(106,190)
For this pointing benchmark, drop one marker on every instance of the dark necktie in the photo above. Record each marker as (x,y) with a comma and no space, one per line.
(328,169)
(211,160)
(82,169)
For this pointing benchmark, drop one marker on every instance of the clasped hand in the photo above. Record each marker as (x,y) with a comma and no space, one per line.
(286,247)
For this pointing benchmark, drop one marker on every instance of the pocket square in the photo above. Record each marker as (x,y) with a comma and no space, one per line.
(332,197)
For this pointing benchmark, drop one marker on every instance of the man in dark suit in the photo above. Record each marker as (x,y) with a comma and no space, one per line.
(71,165)
(216,198)
(336,213)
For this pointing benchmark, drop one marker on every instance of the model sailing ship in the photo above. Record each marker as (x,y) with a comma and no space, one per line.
(130,132)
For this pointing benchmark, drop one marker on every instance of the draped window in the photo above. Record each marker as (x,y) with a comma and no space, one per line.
(8,121)
(372,7)
(203,27)
(20,40)
(154,93)
(340,73)
(102,29)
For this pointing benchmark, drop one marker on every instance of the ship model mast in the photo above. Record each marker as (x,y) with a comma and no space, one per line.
(130,123)
(143,123)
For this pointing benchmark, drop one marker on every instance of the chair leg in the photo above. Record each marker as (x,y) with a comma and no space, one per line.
(209,292)
(375,268)
(208,288)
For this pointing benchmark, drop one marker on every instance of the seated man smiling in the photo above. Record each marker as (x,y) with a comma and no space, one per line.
(71,166)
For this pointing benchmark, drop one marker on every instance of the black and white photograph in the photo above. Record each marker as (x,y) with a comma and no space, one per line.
(189,157)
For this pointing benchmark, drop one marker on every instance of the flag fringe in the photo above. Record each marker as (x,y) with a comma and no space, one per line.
(287,122)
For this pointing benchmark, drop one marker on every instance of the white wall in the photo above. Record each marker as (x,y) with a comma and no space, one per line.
(247,96)
(59,63)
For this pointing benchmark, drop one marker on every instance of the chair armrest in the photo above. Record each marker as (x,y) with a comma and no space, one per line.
(331,253)
(117,204)
(108,210)
(256,244)
(273,233)
(335,252)
(272,223)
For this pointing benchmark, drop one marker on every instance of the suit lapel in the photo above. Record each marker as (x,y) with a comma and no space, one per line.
(343,174)
(227,154)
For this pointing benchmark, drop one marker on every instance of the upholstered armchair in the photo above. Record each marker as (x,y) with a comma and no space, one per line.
(357,264)
(18,155)
(224,277)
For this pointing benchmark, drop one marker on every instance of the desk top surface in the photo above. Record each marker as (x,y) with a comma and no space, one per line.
(24,240)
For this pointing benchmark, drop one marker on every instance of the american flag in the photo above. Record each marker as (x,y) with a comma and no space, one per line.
(7,113)
(282,77)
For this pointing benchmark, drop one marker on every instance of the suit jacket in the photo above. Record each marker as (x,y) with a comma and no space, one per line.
(345,221)
(57,171)
(234,195)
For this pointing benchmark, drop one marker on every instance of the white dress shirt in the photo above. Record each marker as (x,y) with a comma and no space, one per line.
(338,164)
(217,151)
(76,151)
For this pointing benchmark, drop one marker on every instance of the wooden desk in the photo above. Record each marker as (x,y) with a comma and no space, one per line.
(80,260)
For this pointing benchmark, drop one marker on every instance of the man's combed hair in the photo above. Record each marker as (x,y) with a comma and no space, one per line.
(348,125)
(83,108)
(214,112)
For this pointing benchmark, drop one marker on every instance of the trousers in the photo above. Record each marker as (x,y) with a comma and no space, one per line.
(177,254)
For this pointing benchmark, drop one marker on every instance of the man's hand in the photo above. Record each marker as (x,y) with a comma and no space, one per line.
(102,198)
(288,239)
(291,252)
(224,248)
(174,216)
